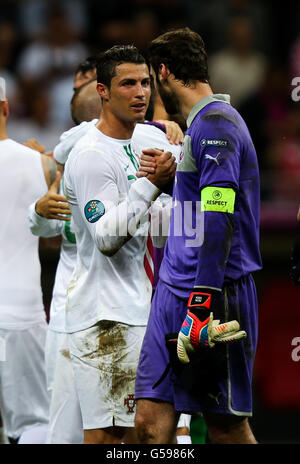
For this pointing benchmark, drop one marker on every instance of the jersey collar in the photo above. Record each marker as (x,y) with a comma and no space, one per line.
(217,97)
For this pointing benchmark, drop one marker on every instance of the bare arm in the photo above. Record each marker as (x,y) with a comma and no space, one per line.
(49,168)
(35,145)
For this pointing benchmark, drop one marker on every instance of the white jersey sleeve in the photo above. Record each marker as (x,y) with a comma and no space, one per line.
(149,136)
(69,138)
(112,219)
(160,211)
(41,226)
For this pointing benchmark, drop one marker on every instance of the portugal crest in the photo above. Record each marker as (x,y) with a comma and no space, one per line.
(130,402)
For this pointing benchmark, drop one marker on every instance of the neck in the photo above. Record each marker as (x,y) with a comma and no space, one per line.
(189,96)
(114,127)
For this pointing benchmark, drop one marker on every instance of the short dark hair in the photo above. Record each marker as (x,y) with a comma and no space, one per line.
(113,57)
(183,52)
(89,64)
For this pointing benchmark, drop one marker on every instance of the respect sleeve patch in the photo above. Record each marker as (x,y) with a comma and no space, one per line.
(218,199)
(94,210)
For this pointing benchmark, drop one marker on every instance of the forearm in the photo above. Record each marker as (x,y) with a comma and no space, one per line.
(121,222)
(214,252)
(161,211)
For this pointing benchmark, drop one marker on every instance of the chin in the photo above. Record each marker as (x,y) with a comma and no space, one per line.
(140,118)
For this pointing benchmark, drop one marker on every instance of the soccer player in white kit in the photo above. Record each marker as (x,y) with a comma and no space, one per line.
(24,400)
(109,294)
(65,423)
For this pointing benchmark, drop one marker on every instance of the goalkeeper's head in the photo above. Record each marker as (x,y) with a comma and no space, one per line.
(183,52)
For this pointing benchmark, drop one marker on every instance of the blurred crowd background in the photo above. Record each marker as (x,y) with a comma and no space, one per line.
(254,55)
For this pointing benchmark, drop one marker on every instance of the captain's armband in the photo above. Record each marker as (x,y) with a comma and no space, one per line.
(219,199)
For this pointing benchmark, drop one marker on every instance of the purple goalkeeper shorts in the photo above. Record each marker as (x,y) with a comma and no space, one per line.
(167,314)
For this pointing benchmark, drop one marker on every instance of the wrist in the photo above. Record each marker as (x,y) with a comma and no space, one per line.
(203,300)
(37,209)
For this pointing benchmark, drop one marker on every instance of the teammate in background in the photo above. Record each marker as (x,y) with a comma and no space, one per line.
(109,294)
(24,176)
(85,72)
(49,216)
(206,291)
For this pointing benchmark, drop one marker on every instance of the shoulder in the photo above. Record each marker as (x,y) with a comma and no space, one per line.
(147,129)
(218,121)
(80,129)
(89,157)
(153,136)
(26,155)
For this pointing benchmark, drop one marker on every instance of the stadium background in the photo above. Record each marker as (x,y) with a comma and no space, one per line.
(250,57)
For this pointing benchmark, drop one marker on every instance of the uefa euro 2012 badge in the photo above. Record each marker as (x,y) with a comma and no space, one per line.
(94,210)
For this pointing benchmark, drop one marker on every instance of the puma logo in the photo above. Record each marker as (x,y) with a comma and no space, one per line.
(214,159)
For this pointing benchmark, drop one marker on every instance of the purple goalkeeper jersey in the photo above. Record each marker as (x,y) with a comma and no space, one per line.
(206,247)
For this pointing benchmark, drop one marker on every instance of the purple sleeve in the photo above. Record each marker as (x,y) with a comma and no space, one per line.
(218,161)
(156,124)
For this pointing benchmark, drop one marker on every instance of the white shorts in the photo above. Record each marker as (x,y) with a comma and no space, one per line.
(65,421)
(105,359)
(24,400)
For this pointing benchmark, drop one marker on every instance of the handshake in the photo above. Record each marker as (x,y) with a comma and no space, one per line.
(200,330)
(158,166)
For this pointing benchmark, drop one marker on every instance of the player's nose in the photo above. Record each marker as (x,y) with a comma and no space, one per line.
(140,90)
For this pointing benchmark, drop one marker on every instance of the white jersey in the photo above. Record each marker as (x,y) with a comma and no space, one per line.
(109,281)
(44,227)
(144,136)
(21,181)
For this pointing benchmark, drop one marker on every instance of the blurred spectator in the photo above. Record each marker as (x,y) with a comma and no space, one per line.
(55,54)
(285,155)
(33,16)
(133,21)
(52,60)
(145,26)
(238,69)
(209,18)
(8,40)
(36,121)
(266,112)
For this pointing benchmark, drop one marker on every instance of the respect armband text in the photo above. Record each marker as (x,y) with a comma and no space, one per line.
(218,199)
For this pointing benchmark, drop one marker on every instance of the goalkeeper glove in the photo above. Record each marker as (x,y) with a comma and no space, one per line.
(200,329)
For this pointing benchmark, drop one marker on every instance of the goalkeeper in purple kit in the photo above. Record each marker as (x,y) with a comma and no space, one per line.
(199,347)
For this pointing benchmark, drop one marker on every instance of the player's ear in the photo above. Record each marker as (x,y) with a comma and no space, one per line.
(103,91)
(164,71)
